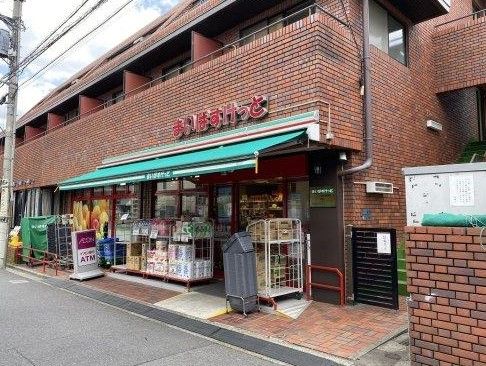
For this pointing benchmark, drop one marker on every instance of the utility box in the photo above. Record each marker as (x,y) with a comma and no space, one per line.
(240,273)
(4,43)
(454,189)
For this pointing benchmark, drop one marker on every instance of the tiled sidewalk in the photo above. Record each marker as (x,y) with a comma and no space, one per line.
(131,290)
(347,332)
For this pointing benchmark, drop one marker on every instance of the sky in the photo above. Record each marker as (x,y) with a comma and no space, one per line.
(40,17)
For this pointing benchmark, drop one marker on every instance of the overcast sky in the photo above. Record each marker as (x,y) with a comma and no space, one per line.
(40,17)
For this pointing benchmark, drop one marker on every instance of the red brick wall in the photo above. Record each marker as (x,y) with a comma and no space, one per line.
(446,270)
(404,99)
(301,64)
(459,54)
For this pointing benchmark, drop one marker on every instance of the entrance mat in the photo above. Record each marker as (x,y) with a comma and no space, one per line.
(253,344)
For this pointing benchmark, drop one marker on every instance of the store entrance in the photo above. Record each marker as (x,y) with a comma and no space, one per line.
(260,201)
(223,224)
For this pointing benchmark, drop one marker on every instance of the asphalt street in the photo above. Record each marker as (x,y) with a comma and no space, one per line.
(42,325)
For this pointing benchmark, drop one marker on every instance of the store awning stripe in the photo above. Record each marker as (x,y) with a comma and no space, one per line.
(216,159)
(231,136)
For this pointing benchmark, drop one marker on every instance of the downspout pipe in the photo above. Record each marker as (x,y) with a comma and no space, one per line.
(367,95)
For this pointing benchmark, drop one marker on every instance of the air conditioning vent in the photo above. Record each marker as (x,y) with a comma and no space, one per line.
(379,187)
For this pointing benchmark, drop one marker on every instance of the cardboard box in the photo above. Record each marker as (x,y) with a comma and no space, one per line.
(134,249)
(134,263)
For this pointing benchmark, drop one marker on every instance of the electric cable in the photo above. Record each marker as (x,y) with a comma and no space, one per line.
(26,61)
(55,30)
(111,16)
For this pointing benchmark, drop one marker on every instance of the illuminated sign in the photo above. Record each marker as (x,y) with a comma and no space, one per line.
(229,115)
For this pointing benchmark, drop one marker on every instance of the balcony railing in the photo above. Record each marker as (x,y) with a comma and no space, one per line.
(481,14)
(310,11)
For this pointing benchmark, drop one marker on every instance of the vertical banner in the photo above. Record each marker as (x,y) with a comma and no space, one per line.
(84,255)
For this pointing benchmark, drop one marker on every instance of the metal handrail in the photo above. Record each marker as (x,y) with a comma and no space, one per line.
(218,52)
(45,258)
(476,15)
(323,286)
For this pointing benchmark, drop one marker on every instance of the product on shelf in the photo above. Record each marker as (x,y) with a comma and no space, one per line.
(184,255)
(134,263)
(134,249)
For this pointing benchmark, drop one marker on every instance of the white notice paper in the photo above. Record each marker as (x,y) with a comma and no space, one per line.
(461,190)
(154,232)
(383,243)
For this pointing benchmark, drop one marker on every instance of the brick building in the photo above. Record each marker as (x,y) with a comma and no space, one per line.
(93,135)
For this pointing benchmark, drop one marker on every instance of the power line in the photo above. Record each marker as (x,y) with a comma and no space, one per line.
(26,61)
(78,41)
(55,30)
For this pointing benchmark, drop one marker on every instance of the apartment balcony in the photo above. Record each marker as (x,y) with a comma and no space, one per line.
(419,11)
(459,53)
(308,65)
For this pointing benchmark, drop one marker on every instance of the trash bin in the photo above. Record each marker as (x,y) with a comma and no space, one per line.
(240,273)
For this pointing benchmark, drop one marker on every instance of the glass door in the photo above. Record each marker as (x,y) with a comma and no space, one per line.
(223,207)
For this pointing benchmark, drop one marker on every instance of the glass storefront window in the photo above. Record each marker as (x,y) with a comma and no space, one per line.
(298,202)
(166,206)
(188,185)
(260,201)
(80,215)
(133,188)
(100,218)
(126,210)
(98,191)
(171,185)
(195,205)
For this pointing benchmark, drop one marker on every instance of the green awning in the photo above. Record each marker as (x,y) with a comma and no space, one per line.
(215,159)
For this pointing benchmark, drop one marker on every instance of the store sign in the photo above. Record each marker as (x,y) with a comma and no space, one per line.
(159,175)
(84,255)
(86,247)
(216,118)
(324,196)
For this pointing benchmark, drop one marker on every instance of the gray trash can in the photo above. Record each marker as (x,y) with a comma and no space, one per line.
(240,273)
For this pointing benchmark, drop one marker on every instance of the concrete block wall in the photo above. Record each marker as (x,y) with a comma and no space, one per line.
(446,270)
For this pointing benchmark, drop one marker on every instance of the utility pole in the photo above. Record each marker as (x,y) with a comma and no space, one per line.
(14,24)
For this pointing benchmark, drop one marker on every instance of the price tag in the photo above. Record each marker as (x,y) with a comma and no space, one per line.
(154,233)
(136,230)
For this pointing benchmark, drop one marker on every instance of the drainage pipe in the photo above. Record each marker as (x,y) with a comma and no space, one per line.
(367,95)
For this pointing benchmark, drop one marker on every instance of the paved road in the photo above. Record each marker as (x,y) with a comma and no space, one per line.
(41,325)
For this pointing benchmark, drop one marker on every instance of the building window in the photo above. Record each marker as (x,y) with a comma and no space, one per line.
(177,69)
(273,23)
(71,115)
(387,33)
(117,97)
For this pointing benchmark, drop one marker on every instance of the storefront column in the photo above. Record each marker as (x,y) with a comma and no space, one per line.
(326,222)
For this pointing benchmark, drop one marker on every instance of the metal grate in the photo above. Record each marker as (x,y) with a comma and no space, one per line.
(375,274)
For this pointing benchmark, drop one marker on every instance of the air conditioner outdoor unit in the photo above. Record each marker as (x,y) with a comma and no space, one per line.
(379,187)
